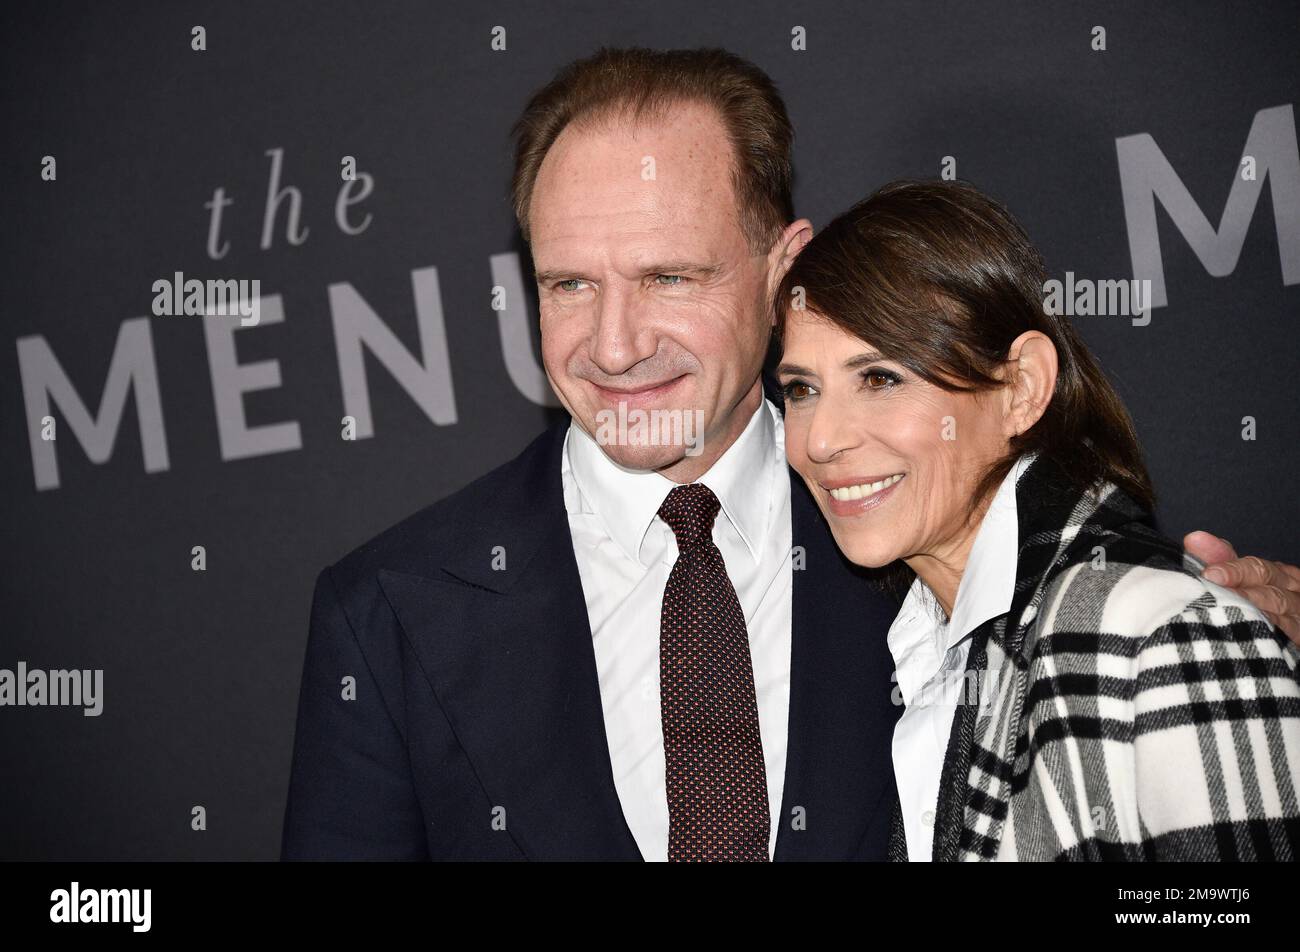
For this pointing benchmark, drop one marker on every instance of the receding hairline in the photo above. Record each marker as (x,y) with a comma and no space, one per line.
(638,115)
(615,82)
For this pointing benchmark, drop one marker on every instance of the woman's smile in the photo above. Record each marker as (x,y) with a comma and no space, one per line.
(856,496)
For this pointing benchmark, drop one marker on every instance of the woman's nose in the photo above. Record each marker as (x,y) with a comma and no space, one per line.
(831,431)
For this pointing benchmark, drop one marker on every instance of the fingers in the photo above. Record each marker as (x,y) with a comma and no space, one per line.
(1272,600)
(1208,547)
(1290,575)
(1279,603)
(1248,572)
(1272,587)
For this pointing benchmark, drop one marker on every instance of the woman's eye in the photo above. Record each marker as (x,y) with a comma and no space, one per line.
(796,390)
(879,379)
(669,280)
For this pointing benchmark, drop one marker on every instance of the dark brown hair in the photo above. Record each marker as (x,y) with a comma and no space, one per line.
(941,278)
(641,83)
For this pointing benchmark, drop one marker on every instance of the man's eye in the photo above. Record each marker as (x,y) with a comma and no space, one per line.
(669,280)
(570,284)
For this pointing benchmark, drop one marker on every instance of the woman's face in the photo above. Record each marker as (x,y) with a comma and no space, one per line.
(891,459)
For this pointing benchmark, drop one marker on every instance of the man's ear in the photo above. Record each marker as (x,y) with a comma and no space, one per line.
(784,250)
(1030,376)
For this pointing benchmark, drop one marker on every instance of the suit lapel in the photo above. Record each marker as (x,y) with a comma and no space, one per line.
(508,655)
(839,780)
(507,651)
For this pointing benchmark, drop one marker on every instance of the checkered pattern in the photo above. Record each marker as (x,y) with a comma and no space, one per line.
(716,779)
(1133,711)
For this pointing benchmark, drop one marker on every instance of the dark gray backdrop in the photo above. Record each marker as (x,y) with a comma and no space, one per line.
(202,668)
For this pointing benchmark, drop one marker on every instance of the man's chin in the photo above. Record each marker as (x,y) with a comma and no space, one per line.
(645,457)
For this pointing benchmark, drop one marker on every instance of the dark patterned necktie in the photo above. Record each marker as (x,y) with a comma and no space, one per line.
(717,785)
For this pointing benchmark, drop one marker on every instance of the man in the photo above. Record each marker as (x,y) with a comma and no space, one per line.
(618,646)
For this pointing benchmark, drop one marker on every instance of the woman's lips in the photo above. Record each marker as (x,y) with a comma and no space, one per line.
(859,495)
(643,397)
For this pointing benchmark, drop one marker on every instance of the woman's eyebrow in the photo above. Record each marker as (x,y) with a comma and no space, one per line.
(794,369)
(869,357)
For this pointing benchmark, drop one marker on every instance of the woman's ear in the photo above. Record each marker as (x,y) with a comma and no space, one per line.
(1031,380)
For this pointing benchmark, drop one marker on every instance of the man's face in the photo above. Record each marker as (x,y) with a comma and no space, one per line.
(649,293)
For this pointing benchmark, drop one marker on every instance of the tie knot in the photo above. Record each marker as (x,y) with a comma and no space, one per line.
(689,512)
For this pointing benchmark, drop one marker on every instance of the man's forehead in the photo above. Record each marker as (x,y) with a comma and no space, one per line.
(624,238)
(690,137)
(650,182)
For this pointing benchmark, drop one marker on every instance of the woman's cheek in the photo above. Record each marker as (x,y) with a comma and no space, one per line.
(911,430)
(796,443)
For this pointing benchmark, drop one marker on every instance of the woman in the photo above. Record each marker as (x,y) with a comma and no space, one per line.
(1072,688)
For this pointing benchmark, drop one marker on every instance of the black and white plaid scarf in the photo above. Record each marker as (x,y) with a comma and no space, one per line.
(1129,709)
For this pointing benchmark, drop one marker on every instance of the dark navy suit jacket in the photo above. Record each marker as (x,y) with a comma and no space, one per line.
(477,733)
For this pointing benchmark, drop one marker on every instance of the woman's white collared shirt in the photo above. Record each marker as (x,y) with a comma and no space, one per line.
(930,661)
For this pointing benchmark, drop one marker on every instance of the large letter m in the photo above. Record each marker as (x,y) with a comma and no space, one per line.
(1145,175)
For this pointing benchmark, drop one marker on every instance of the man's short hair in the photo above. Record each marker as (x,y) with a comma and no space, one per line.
(642,83)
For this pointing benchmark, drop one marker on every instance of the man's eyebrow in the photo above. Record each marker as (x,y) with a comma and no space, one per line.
(659,267)
(682,267)
(545,277)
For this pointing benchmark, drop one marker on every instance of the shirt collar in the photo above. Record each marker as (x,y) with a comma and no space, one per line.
(626,501)
(988,583)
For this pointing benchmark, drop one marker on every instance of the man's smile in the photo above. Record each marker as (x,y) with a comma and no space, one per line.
(639,395)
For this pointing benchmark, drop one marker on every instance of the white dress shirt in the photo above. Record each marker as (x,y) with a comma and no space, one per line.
(930,658)
(625,553)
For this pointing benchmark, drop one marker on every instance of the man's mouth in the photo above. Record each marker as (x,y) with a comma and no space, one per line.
(640,394)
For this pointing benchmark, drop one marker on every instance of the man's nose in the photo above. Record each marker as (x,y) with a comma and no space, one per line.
(622,337)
